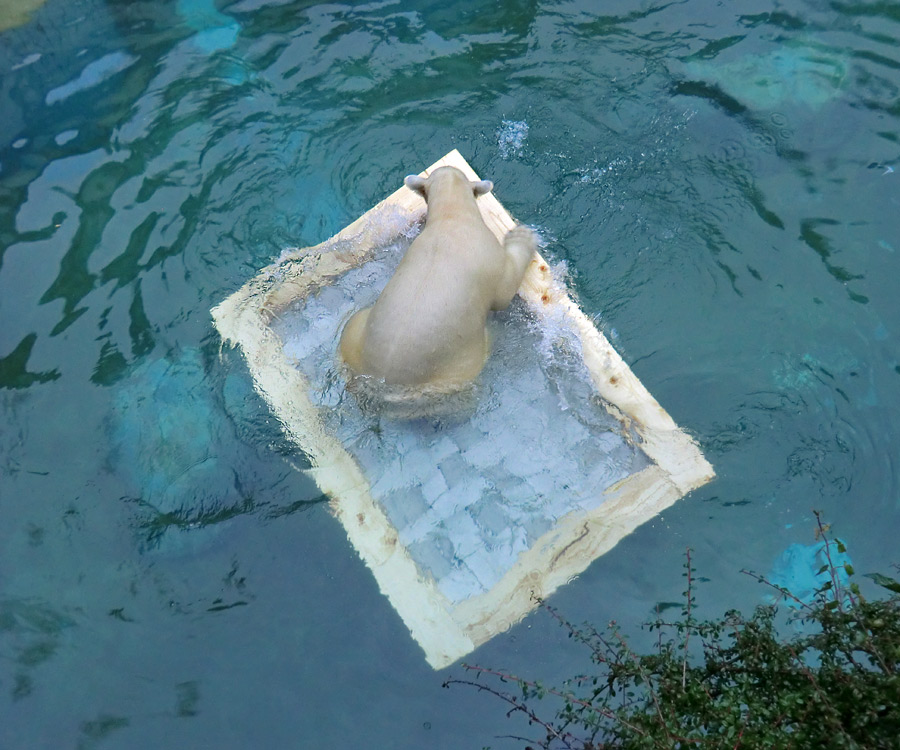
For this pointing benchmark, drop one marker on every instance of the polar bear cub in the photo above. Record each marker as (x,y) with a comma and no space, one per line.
(427,329)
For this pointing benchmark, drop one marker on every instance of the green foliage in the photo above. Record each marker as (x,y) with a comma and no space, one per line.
(732,682)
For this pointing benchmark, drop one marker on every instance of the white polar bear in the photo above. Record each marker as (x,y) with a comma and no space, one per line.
(426,332)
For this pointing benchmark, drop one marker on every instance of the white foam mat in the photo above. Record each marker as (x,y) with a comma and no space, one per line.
(464,520)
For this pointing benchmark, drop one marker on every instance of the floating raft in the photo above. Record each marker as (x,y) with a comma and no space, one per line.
(465,522)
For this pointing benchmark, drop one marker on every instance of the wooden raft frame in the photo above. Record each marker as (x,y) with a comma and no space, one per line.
(448,631)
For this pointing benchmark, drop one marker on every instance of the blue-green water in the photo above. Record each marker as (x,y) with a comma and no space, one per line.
(723,183)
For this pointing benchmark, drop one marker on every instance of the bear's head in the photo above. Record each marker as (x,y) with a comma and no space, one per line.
(446,178)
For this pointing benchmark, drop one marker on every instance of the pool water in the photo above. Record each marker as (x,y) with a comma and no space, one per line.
(722,185)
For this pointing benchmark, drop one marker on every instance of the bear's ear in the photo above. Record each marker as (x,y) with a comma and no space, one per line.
(416,184)
(482,186)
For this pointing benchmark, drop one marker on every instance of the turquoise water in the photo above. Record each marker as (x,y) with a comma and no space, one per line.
(722,185)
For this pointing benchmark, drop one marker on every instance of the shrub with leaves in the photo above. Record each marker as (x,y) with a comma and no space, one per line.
(730,683)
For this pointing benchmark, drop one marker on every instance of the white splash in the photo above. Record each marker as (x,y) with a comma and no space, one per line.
(511,137)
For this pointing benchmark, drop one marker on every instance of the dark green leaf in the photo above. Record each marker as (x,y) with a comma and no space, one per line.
(885,581)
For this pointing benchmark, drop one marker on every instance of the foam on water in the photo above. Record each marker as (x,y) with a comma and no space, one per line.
(511,137)
(467,495)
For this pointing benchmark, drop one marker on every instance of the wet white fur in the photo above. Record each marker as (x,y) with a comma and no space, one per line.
(428,326)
